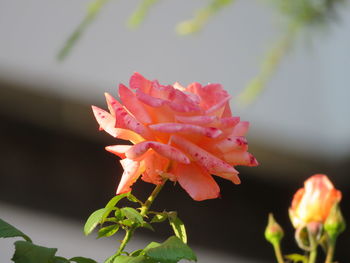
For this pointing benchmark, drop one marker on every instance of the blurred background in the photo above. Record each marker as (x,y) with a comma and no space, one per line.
(54,170)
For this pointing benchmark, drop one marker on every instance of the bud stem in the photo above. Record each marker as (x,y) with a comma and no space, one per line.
(313,253)
(278,252)
(330,251)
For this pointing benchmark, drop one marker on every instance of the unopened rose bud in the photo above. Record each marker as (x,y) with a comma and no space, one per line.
(273,232)
(335,223)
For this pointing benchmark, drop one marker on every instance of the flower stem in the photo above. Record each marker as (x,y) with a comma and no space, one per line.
(127,237)
(330,252)
(145,207)
(278,252)
(144,210)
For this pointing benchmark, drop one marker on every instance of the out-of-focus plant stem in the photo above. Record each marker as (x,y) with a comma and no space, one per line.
(278,252)
(269,65)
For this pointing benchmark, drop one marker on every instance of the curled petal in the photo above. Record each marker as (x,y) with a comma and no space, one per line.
(139,82)
(197,120)
(232,143)
(118,150)
(241,128)
(205,159)
(107,123)
(218,108)
(197,182)
(171,127)
(165,150)
(133,105)
(149,100)
(132,171)
(229,122)
(240,158)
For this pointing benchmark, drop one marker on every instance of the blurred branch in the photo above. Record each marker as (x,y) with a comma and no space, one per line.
(301,15)
(201,17)
(140,13)
(93,10)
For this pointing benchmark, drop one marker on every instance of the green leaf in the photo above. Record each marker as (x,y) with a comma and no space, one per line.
(160,217)
(133,198)
(127,222)
(147,225)
(27,252)
(110,259)
(113,202)
(108,231)
(152,245)
(178,226)
(132,214)
(60,260)
(171,250)
(118,214)
(94,219)
(82,260)
(129,259)
(297,258)
(7,230)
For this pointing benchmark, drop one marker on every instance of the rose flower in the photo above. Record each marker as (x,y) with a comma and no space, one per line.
(313,203)
(183,134)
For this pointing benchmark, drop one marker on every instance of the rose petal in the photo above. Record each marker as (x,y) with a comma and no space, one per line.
(197,120)
(210,132)
(197,182)
(165,150)
(240,158)
(241,129)
(133,105)
(155,167)
(218,108)
(125,120)
(132,171)
(232,143)
(137,81)
(107,123)
(118,150)
(205,159)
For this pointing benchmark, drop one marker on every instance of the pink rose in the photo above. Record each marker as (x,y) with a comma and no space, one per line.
(184,134)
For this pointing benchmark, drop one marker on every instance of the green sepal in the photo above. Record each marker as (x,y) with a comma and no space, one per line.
(94,219)
(82,260)
(170,251)
(159,217)
(108,231)
(27,252)
(178,226)
(132,214)
(297,258)
(7,230)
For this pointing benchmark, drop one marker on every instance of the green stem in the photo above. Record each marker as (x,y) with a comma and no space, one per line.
(278,252)
(313,252)
(145,207)
(330,251)
(144,210)
(127,237)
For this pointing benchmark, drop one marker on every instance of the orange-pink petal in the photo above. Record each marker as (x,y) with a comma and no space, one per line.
(197,182)
(240,158)
(197,119)
(241,128)
(132,171)
(172,128)
(118,150)
(133,105)
(165,150)
(205,159)
(232,143)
